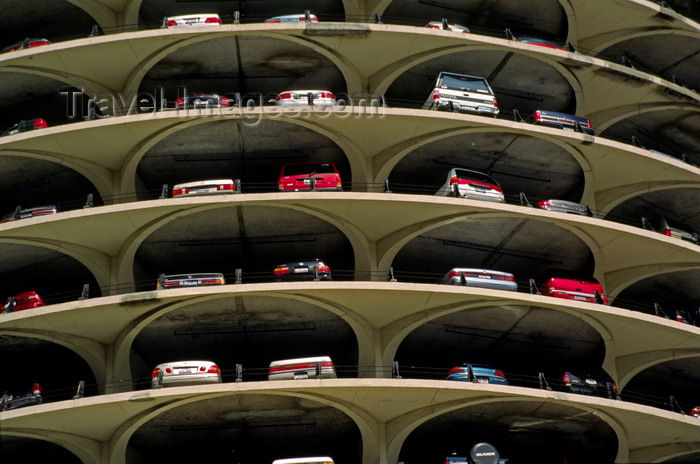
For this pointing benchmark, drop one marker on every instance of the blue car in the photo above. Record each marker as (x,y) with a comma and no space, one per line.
(478,373)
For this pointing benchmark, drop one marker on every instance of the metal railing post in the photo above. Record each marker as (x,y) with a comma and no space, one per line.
(239,372)
(80,393)
(395,370)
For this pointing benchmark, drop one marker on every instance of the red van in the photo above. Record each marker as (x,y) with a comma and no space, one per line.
(24,300)
(572,289)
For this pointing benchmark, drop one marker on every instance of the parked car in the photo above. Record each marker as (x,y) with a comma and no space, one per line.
(195,19)
(182,373)
(292,18)
(481,453)
(483,278)
(20,213)
(563,206)
(301,98)
(302,368)
(203,100)
(532,40)
(480,373)
(24,126)
(22,301)
(676,230)
(302,270)
(452,27)
(313,460)
(572,289)
(24,44)
(309,176)
(587,384)
(473,185)
(695,412)
(462,93)
(563,121)
(32,397)
(189,280)
(205,187)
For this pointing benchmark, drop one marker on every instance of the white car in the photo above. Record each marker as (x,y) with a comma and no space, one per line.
(473,185)
(199,19)
(301,97)
(482,278)
(204,187)
(291,18)
(181,373)
(302,368)
(452,27)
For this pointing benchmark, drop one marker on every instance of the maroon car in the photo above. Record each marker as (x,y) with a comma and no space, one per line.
(24,300)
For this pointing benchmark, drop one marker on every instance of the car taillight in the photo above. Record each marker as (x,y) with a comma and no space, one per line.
(454,180)
(181,191)
(283,96)
(40,123)
(171,283)
(667,232)
(179,101)
(566,380)
(172,23)
(213,20)
(225,102)
(155,373)
(537,116)
(544,204)
(509,278)
(225,187)
(212,281)
(327,95)
(436,95)
(302,18)
(36,388)
(499,373)
(168,370)
(323,268)
(273,21)
(281,270)
(495,103)
(614,387)
(434,26)
(213,369)
(456,370)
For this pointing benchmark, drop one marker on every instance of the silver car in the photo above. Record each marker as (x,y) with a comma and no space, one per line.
(189,280)
(483,278)
(181,373)
(292,18)
(563,206)
(474,185)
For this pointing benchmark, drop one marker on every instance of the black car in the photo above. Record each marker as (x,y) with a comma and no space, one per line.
(311,269)
(589,385)
(24,126)
(32,397)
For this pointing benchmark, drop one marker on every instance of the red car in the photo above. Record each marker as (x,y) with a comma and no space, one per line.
(309,176)
(24,300)
(571,289)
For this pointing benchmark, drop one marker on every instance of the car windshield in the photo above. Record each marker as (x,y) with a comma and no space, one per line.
(458,82)
(301,169)
(475,176)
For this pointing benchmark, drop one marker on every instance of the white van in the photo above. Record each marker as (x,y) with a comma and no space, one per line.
(314,460)
(459,92)
(302,368)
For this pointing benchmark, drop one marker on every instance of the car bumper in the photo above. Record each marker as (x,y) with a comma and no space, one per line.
(184,380)
(465,108)
(485,283)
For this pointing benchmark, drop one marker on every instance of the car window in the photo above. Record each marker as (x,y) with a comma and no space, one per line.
(300,169)
(476,176)
(473,84)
